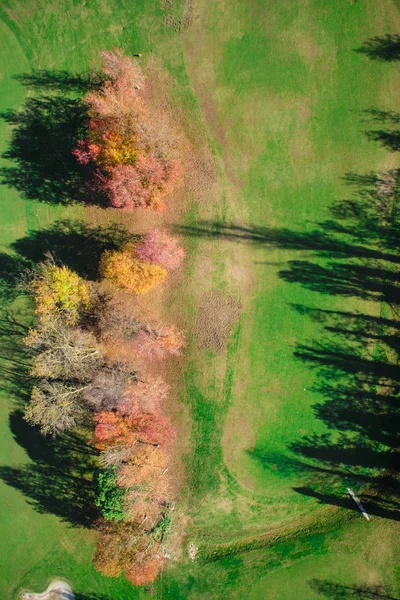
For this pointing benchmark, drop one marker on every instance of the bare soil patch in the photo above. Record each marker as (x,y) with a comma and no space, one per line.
(218,313)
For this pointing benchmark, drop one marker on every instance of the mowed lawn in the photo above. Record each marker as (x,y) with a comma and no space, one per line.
(285,96)
(281,92)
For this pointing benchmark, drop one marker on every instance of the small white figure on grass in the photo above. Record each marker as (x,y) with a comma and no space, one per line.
(358,502)
(192,551)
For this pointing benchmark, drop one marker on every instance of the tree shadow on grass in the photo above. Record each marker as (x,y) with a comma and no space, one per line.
(15,357)
(362,227)
(338,591)
(45,131)
(61,80)
(384,48)
(322,240)
(73,243)
(354,253)
(58,480)
(379,506)
(58,477)
(12,270)
(359,382)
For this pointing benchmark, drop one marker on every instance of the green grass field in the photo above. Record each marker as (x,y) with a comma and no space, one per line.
(302,402)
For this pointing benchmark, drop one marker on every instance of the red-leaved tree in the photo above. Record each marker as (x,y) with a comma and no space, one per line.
(145,572)
(113,429)
(158,247)
(132,145)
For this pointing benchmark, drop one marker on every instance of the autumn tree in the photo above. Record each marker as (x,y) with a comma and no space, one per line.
(143,396)
(147,565)
(113,429)
(125,547)
(58,292)
(114,551)
(118,546)
(63,352)
(108,387)
(146,476)
(55,407)
(141,184)
(128,272)
(160,248)
(133,145)
(146,571)
(157,341)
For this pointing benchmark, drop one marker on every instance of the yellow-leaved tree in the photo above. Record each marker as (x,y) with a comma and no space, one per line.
(116,150)
(59,292)
(128,272)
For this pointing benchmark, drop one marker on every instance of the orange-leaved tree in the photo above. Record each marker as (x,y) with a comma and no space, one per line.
(157,342)
(114,429)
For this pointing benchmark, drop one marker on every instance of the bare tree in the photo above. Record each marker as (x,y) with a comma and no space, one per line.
(64,352)
(108,387)
(115,456)
(55,407)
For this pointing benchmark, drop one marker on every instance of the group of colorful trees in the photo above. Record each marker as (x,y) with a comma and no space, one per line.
(93,353)
(90,350)
(131,146)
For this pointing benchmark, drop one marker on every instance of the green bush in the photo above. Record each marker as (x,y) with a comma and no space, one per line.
(109,497)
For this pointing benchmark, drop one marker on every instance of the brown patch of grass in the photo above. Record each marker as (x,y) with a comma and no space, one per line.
(217,315)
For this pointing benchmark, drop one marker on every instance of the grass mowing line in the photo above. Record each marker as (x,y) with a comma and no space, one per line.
(15,29)
(210,414)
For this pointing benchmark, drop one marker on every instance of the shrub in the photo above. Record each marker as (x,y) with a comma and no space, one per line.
(108,496)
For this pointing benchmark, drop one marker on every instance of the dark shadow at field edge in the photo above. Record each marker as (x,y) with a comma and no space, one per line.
(384,48)
(61,80)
